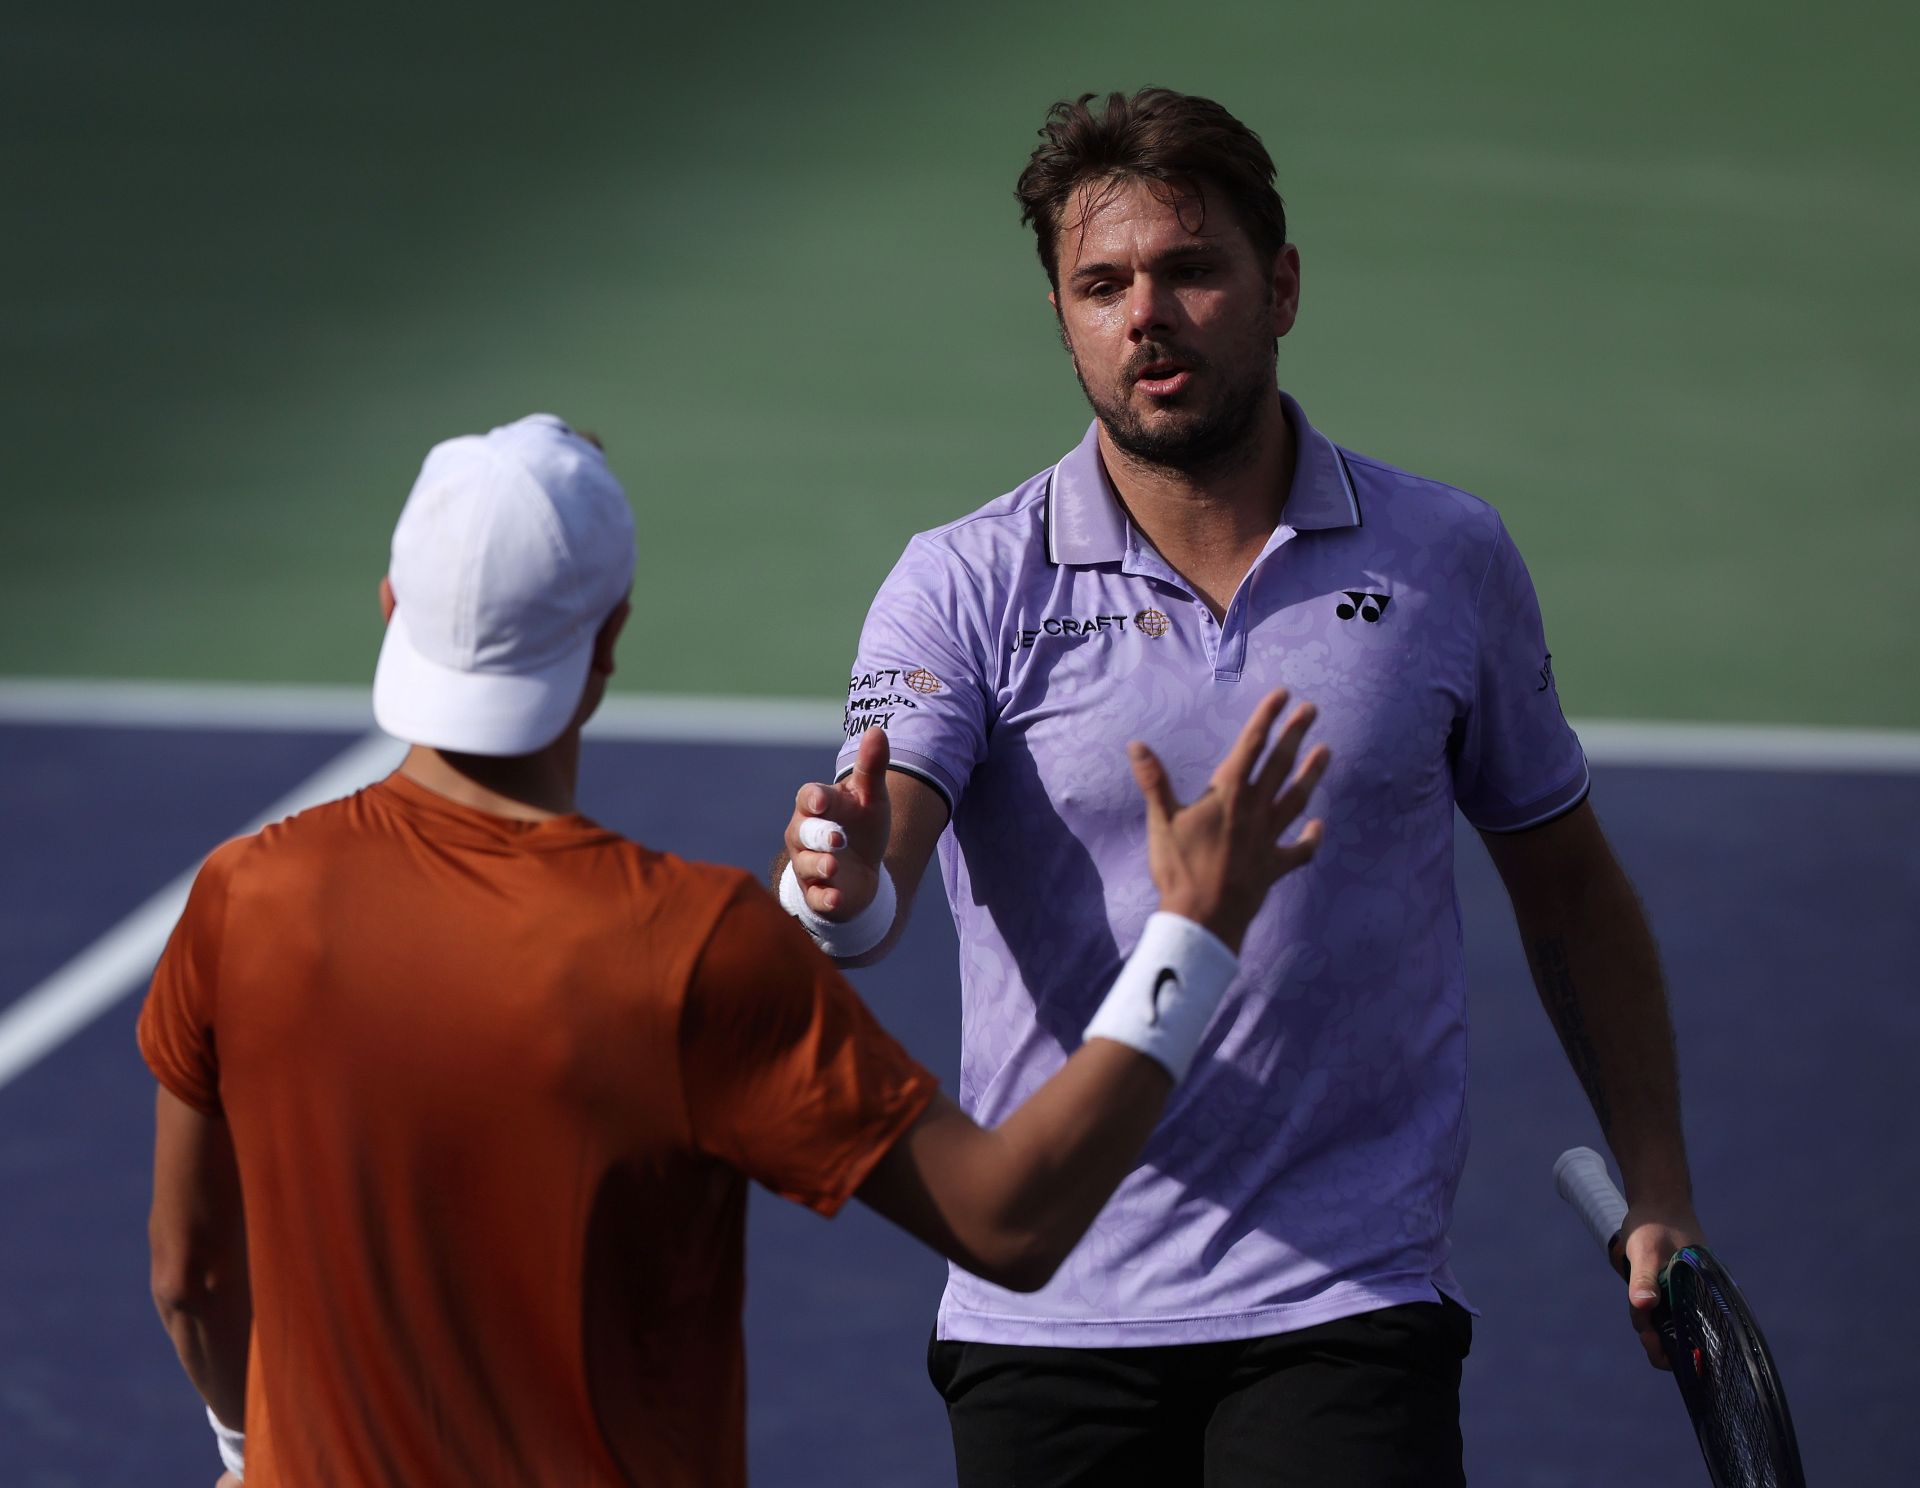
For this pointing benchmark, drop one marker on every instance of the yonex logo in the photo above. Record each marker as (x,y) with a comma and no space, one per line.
(1153,622)
(1167,974)
(1546,674)
(1368,607)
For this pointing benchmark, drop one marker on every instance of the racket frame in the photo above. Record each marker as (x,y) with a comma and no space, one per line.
(1678,1334)
(1582,1179)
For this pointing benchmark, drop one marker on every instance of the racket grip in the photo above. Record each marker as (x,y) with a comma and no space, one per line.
(1581,1176)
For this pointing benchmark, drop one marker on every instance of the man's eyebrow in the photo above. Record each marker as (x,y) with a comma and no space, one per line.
(1196,247)
(1088,272)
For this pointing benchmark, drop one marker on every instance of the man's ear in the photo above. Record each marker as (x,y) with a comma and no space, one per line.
(1059,321)
(1286,289)
(386,599)
(609,634)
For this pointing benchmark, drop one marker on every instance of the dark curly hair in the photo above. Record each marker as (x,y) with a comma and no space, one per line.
(1174,141)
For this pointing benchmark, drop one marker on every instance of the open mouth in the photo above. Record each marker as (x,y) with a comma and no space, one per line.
(1162,378)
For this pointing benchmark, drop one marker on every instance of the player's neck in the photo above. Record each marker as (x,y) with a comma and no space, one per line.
(1210,524)
(533,787)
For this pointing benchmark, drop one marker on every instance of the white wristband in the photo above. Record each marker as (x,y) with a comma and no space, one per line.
(842,938)
(233,1446)
(1165,995)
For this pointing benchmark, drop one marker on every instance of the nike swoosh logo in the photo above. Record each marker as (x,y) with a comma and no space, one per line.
(1167,974)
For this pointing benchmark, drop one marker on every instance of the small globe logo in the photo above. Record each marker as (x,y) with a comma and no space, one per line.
(1153,622)
(923,681)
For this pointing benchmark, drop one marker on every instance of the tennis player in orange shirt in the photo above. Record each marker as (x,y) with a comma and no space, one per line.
(460,1092)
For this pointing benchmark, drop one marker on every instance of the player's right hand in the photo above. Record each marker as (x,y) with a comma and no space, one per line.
(1648,1238)
(1214,859)
(840,881)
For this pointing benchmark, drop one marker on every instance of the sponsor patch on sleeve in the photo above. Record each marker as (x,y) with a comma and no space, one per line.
(875,698)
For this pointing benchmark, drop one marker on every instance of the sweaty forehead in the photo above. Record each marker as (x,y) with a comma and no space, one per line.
(1127,216)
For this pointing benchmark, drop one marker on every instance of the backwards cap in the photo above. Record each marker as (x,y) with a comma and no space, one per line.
(513,548)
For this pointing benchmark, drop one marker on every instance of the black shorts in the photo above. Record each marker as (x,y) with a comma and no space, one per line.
(1371,1401)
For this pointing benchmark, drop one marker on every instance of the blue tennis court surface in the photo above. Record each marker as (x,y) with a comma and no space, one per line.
(1785,904)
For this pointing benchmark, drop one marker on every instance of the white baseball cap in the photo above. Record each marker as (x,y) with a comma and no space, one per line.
(513,548)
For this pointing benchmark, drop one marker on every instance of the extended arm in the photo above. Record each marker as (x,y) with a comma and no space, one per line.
(1008,1203)
(1598,975)
(198,1239)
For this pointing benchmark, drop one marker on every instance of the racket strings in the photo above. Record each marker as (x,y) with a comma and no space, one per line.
(1721,1366)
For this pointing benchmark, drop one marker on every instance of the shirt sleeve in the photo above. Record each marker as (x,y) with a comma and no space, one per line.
(787,1076)
(920,673)
(176,1022)
(1517,763)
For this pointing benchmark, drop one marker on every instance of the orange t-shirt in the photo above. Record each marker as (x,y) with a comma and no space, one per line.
(496,1088)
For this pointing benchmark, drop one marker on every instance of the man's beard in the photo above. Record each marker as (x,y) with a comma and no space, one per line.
(1210,440)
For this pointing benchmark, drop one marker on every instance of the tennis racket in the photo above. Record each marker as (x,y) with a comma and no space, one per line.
(1721,1362)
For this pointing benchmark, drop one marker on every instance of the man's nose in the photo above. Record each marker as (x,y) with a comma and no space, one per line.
(1151,307)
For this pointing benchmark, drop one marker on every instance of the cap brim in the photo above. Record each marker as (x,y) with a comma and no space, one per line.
(423,702)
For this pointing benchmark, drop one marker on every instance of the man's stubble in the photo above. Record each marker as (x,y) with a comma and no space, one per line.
(1215,439)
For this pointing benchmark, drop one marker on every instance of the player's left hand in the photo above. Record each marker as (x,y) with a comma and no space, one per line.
(1649,1236)
(228,1480)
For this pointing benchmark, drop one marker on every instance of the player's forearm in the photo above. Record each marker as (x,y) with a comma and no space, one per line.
(1077,1136)
(210,1320)
(1597,971)
(1009,1203)
(1060,1156)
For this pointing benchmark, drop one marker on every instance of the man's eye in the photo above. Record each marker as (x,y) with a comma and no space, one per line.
(1104,289)
(1193,271)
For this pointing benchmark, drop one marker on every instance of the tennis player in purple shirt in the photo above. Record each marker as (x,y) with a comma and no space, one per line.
(1267,1299)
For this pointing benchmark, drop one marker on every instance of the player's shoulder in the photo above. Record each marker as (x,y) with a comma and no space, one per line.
(1385,489)
(277,853)
(696,876)
(221,866)
(309,837)
(690,894)
(971,566)
(1005,526)
(712,906)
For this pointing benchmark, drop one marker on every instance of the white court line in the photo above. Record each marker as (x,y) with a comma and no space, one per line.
(1745,746)
(743,720)
(239,705)
(112,966)
(93,981)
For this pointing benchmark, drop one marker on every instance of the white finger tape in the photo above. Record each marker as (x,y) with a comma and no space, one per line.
(817,834)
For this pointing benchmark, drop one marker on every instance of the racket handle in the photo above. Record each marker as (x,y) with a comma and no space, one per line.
(1581,1176)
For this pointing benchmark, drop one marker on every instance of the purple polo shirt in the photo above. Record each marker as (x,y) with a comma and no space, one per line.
(1306,1168)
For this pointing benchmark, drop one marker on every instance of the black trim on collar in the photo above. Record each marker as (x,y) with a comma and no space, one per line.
(1353,486)
(1047,521)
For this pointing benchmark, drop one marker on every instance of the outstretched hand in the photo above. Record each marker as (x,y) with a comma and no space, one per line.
(837,858)
(1214,859)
